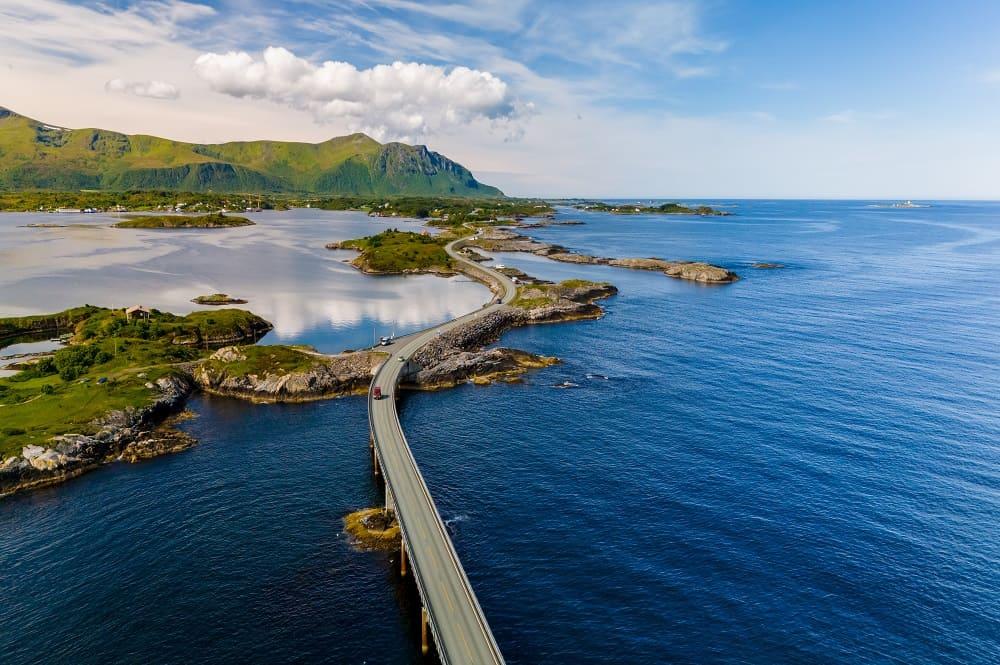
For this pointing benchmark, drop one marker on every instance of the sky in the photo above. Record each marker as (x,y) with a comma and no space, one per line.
(676,98)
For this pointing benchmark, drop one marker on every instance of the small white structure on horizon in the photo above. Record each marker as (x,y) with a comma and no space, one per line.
(137,312)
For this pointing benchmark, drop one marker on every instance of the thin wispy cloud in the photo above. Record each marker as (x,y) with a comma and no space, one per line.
(78,34)
(991,76)
(850,116)
(152,89)
(780,86)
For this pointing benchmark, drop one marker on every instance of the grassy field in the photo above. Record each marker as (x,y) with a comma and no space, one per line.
(213,221)
(395,251)
(40,407)
(106,367)
(50,324)
(263,360)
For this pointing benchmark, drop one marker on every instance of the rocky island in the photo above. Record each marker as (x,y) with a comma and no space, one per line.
(214,221)
(639,209)
(506,240)
(395,252)
(373,529)
(217,299)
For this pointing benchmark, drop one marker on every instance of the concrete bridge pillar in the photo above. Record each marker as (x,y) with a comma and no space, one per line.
(424,642)
(402,558)
(375,465)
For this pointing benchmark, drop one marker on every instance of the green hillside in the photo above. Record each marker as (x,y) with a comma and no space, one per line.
(36,156)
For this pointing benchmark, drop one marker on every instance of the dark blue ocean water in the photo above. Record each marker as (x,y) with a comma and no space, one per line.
(800,467)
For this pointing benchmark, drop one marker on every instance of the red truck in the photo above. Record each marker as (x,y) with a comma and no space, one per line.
(377,393)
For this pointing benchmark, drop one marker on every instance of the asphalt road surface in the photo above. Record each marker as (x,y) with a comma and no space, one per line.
(460,631)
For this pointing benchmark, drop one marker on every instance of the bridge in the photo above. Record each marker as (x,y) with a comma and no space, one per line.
(450,609)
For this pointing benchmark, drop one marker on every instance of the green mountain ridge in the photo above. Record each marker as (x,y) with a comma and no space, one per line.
(37,156)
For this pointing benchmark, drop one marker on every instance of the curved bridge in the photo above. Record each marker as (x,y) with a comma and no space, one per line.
(450,608)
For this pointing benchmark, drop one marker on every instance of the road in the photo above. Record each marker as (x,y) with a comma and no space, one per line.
(460,630)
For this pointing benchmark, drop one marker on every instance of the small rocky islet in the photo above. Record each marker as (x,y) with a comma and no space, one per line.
(218,299)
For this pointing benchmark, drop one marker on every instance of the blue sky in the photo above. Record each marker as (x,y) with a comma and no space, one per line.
(682,98)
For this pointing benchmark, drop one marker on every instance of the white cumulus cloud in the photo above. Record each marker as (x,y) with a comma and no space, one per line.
(154,89)
(397,101)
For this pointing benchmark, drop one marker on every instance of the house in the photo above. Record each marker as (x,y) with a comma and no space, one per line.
(137,312)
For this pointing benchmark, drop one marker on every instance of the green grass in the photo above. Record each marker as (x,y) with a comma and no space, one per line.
(263,360)
(218,299)
(36,157)
(37,409)
(213,221)
(61,322)
(638,209)
(61,394)
(395,251)
(531,296)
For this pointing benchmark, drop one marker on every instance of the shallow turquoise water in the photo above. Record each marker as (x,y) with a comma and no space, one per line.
(800,467)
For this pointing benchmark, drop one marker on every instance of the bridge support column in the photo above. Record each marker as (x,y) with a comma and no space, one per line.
(402,558)
(375,462)
(424,643)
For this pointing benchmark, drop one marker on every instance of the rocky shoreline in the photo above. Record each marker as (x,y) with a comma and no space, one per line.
(505,240)
(373,529)
(455,357)
(460,355)
(129,434)
(328,377)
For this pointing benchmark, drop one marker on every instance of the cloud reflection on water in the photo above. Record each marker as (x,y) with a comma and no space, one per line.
(280,265)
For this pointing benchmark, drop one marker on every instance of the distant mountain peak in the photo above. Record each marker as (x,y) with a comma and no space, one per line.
(34,155)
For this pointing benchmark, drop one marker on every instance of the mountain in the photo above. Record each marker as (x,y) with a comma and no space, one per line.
(36,156)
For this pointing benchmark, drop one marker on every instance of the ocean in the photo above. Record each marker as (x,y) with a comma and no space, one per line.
(803,466)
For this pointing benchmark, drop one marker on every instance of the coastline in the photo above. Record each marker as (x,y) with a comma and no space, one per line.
(460,356)
(136,434)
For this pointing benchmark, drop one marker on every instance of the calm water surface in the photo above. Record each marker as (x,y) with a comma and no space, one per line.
(800,467)
(281,266)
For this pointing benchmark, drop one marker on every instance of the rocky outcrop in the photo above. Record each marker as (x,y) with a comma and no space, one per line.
(245,332)
(694,271)
(328,376)
(473,255)
(459,355)
(69,455)
(373,529)
(505,240)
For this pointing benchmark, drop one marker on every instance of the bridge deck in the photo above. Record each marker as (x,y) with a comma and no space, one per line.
(460,630)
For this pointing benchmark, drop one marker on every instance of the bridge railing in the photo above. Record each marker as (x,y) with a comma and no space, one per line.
(434,615)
